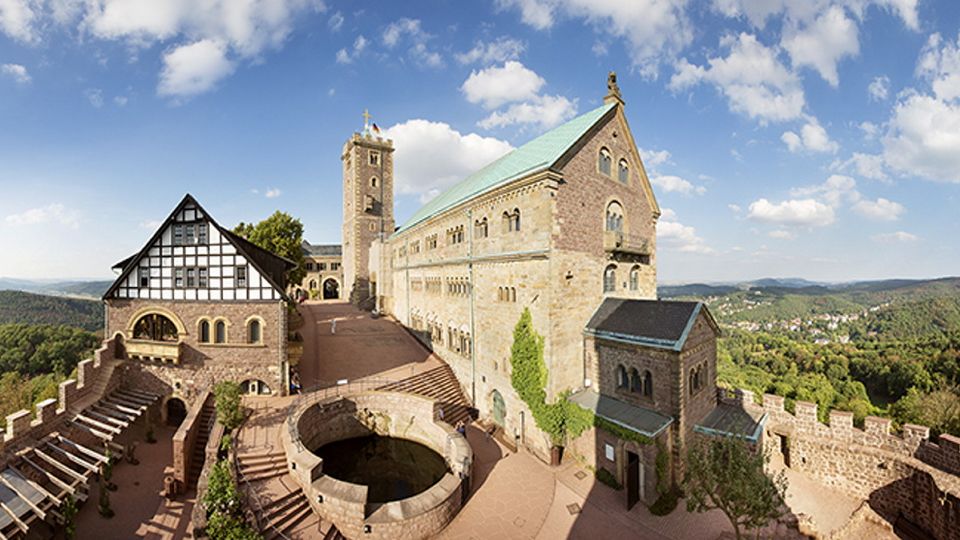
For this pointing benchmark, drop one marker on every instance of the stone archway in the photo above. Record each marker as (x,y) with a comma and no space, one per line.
(331,289)
(176,411)
(255,387)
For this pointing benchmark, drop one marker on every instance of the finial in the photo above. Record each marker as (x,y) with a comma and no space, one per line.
(366,121)
(613,90)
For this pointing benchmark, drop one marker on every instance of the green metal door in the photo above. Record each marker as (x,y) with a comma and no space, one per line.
(499,408)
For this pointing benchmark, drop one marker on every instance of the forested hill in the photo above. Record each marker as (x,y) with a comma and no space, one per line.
(27,308)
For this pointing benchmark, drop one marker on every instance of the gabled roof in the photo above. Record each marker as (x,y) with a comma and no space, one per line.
(633,417)
(272,267)
(537,155)
(663,324)
(321,250)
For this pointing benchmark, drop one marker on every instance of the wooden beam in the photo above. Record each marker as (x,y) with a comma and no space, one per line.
(86,465)
(92,453)
(16,519)
(124,406)
(108,410)
(133,398)
(35,485)
(105,418)
(60,466)
(25,498)
(52,477)
(141,393)
(105,437)
(97,423)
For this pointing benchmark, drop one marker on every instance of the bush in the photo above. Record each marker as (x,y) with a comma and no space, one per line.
(665,503)
(229,410)
(606,477)
(229,527)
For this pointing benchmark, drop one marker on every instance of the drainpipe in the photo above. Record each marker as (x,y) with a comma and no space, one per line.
(473,333)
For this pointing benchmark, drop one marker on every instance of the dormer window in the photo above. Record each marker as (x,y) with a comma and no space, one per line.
(374,158)
(604,161)
(623,171)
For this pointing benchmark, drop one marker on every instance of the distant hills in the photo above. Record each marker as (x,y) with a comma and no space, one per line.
(89,289)
(28,308)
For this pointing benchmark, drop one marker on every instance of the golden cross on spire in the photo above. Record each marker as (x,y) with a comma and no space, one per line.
(366,119)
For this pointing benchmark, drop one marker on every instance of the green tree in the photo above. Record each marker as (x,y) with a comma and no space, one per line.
(939,410)
(227,400)
(222,495)
(725,473)
(280,234)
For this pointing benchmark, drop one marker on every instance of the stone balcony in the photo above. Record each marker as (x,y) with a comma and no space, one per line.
(158,351)
(620,242)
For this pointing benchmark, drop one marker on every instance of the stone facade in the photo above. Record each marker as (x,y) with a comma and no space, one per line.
(321,269)
(463,284)
(201,365)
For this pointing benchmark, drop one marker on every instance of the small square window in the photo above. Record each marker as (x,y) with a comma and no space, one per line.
(202,277)
(374,157)
(144,274)
(190,238)
(241,276)
(608,452)
(178,235)
(191,277)
(202,233)
(178,278)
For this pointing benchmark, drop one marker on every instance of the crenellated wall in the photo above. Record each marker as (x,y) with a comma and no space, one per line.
(94,378)
(902,476)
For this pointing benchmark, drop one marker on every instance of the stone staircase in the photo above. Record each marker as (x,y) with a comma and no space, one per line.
(206,420)
(441,385)
(283,514)
(256,467)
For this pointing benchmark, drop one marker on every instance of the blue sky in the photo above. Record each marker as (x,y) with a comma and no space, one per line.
(811,138)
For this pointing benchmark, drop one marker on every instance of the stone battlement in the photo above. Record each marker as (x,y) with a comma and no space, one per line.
(876,433)
(93,379)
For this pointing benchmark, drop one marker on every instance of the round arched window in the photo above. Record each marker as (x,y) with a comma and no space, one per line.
(155,327)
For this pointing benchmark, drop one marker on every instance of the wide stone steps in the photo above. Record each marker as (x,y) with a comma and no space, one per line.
(441,385)
(254,467)
(289,518)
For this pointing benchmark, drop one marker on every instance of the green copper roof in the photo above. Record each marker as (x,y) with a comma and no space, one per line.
(532,157)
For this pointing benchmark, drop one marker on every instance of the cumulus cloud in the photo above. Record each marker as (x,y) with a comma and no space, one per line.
(18,17)
(194,69)
(922,138)
(812,138)
(492,52)
(782,234)
(823,43)
(879,210)
(545,111)
(675,184)
(432,156)
(751,77)
(758,13)
(272,193)
(335,23)
(671,234)
(795,212)
(652,30)
(879,88)
(898,237)
(345,56)
(834,191)
(410,30)
(939,64)
(653,158)
(495,86)
(866,165)
(52,213)
(16,72)
(94,96)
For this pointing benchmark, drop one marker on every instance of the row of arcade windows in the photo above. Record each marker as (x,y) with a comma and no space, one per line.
(605,164)
(633,382)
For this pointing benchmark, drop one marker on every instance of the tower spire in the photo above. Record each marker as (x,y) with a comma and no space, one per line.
(613,90)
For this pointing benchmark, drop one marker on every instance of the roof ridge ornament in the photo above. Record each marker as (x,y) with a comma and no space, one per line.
(613,90)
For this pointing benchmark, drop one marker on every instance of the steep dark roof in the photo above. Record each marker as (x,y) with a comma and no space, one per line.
(321,250)
(271,266)
(655,323)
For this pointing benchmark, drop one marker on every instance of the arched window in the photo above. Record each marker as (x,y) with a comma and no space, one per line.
(621,376)
(604,161)
(623,171)
(610,279)
(220,332)
(480,228)
(513,294)
(155,327)
(204,331)
(614,217)
(636,384)
(254,332)
(634,278)
(512,220)
(692,382)
(313,284)
(374,182)
(647,383)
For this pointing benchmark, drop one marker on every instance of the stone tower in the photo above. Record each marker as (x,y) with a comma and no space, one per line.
(367,206)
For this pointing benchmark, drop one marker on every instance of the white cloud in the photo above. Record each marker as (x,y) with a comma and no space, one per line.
(492,52)
(797,212)
(812,138)
(432,156)
(17,18)
(653,30)
(671,234)
(120,101)
(879,210)
(923,138)
(151,225)
(897,237)
(834,191)
(758,12)
(781,234)
(335,23)
(52,213)
(653,158)
(879,88)
(272,193)
(735,208)
(346,57)
(411,28)
(94,96)
(869,129)
(193,69)
(940,66)
(599,49)
(495,86)
(545,111)
(823,43)
(16,72)
(752,78)
(675,184)
(866,165)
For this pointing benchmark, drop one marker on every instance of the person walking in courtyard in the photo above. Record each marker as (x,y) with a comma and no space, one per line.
(333,326)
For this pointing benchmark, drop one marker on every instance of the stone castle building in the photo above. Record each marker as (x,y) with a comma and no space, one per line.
(324,271)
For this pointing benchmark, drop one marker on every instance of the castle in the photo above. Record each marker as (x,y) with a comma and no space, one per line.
(565,227)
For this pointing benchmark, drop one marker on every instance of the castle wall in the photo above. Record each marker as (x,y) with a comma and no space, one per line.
(202,365)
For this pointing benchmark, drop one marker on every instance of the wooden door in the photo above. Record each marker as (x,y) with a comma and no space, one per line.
(633,479)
